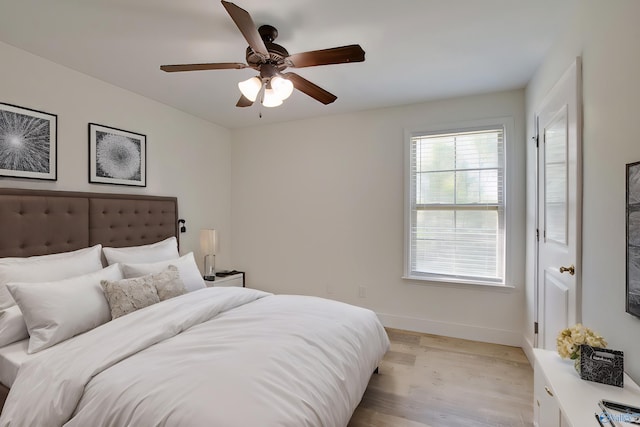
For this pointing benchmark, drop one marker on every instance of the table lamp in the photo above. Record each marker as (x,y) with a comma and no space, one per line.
(208,243)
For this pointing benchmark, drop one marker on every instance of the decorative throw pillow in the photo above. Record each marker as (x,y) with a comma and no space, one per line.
(168,283)
(128,295)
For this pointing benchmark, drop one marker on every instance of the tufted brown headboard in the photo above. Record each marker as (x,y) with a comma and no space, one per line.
(39,222)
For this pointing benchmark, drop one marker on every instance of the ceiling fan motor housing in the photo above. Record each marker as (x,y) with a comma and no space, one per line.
(277,53)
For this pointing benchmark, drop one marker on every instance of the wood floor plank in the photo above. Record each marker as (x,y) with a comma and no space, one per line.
(428,381)
(402,358)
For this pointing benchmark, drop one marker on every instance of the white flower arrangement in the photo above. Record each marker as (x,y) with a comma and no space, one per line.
(570,339)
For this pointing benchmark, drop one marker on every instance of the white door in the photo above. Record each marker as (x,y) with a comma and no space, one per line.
(559,198)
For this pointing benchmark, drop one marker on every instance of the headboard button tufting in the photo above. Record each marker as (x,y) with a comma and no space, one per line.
(37,222)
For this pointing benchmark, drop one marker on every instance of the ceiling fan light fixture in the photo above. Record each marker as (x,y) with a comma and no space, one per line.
(271,98)
(250,88)
(270,60)
(283,87)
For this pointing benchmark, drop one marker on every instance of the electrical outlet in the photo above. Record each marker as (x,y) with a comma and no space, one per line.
(362,291)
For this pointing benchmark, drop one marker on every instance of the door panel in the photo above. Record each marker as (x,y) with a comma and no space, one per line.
(556,308)
(559,201)
(556,179)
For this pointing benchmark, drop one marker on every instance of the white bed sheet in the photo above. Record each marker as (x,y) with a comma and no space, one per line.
(12,356)
(219,356)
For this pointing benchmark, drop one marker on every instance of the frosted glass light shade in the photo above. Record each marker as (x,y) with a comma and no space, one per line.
(250,88)
(209,267)
(209,242)
(282,86)
(271,98)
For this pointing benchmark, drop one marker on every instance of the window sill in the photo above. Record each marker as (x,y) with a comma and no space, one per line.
(459,283)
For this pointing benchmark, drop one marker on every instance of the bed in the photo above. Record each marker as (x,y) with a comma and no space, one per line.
(212,356)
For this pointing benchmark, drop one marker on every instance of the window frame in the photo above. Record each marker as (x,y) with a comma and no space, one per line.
(506,123)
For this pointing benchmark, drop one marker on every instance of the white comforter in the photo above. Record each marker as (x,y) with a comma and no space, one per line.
(218,357)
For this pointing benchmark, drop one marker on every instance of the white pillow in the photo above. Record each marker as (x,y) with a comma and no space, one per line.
(155,252)
(189,273)
(47,267)
(56,311)
(12,326)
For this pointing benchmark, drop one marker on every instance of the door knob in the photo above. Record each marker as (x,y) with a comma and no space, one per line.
(571,270)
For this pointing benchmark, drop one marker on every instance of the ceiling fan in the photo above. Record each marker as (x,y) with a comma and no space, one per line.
(270,60)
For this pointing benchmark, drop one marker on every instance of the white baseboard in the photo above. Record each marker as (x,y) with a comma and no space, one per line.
(454,330)
(527,347)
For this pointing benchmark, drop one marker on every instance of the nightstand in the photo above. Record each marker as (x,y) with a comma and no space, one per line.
(233,280)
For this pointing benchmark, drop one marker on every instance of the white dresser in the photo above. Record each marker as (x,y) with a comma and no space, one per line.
(562,399)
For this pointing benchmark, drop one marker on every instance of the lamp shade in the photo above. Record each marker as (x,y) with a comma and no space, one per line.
(209,241)
(250,88)
(283,87)
(271,98)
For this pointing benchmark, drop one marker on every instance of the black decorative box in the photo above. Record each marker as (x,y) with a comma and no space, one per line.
(602,365)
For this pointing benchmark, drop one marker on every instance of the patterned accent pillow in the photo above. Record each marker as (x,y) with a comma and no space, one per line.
(128,295)
(168,283)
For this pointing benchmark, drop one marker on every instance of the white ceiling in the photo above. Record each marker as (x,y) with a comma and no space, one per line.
(416,50)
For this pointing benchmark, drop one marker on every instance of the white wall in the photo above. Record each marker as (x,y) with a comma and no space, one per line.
(605,34)
(186,157)
(318,209)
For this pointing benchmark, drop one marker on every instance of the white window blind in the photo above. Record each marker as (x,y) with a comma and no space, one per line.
(456,197)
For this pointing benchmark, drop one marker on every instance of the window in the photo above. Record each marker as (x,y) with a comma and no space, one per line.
(456,205)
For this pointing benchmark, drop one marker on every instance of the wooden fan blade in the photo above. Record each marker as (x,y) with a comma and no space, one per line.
(245,24)
(201,67)
(313,90)
(336,55)
(244,102)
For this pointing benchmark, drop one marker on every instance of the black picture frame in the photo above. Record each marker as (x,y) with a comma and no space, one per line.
(28,143)
(633,239)
(117,156)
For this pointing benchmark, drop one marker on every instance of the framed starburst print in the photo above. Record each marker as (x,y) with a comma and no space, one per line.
(117,156)
(28,141)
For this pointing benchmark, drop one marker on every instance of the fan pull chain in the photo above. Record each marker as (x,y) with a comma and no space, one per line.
(262,89)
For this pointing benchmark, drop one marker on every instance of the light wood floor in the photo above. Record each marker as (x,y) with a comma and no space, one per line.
(429,380)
